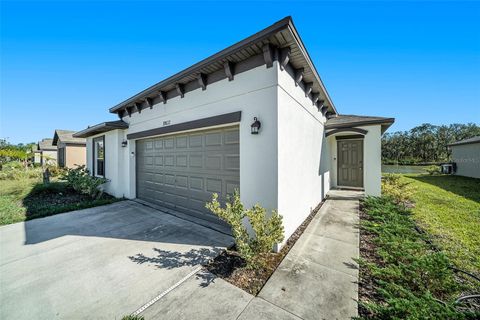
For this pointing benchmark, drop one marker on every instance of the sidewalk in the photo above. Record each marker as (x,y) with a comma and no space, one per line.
(316,280)
(318,277)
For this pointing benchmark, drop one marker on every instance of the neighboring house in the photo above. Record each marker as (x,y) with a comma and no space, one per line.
(45,152)
(466,155)
(71,151)
(37,155)
(254,116)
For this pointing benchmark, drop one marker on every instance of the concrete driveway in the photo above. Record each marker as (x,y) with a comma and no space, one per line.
(100,263)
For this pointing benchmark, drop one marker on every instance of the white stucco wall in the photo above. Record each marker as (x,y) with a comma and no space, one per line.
(114,162)
(467,158)
(303,172)
(372,161)
(254,93)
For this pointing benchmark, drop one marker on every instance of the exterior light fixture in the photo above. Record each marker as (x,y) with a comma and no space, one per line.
(255,127)
(124,143)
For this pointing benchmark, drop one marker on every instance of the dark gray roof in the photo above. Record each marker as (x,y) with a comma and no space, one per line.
(46,144)
(100,128)
(66,136)
(281,35)
(348,120)
(466,141)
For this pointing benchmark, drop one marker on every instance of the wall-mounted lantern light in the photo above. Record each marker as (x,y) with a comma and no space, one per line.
(255,126)
(124,143)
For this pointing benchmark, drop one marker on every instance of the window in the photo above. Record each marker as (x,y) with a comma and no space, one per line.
(99,156)
(61,157)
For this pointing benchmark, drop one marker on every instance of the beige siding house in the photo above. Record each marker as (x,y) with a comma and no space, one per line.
(45,153)
(466,156)
(71,151)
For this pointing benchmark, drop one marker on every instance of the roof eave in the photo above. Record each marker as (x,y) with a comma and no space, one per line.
(99,128)
(286,23)
(387,122)
(462,143)
(278,26)
(309,61)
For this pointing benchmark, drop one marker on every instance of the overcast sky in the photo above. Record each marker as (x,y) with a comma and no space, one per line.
(63,64)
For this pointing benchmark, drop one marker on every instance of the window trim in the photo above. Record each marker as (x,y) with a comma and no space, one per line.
(94,156)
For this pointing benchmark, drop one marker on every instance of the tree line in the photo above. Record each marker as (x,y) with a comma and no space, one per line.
(15,152)
(426,143)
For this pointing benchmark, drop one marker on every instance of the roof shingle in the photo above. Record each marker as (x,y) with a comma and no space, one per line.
(66,136)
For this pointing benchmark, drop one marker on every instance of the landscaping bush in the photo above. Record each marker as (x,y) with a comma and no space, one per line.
(268,231)
(81,181)
(56,171)
(394,187)
(433,170)
(410,279)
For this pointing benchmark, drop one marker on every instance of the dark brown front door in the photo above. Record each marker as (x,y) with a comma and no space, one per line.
(350,163)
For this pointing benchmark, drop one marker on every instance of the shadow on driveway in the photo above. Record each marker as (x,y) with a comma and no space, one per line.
(121,220)
(171,259)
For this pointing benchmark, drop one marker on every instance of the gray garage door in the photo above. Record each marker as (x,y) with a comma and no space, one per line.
(182,171)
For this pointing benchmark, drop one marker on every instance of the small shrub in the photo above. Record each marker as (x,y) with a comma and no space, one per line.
(268,230)
(394,187)
(81,181)
(56,171)
(433,170)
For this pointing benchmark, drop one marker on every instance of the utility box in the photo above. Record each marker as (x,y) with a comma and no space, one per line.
(448,168)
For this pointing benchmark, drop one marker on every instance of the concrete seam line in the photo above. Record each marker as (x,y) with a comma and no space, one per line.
(164,293)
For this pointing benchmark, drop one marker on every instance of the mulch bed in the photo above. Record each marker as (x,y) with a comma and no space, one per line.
(58,197)
(68,196)
(232,268)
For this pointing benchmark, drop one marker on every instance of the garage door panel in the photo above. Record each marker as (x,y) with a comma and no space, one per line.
(232,162)
(196,161)
(196,183)
(182,182)
(159,160)
(231,187)
(168,143)
(232,137)
(213,162)
(214,185)
(195,141)
(181,160)
(182,171)
(213,139)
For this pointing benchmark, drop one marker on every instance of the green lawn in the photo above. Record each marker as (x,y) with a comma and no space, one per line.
(28,198)
(448,207)
(11,194)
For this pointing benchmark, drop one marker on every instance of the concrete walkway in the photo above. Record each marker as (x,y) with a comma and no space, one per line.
(316,280)
(318,277)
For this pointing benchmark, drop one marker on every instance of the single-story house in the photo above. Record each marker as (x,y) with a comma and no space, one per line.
(71,151)
(45,152)
(466,156)
(255,117)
